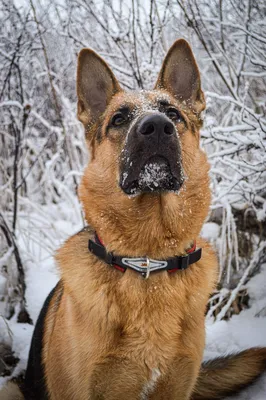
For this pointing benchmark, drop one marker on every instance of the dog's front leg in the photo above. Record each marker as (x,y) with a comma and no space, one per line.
(177,383)
(116,379)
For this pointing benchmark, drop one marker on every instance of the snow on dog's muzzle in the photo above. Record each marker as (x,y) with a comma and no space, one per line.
(151,159)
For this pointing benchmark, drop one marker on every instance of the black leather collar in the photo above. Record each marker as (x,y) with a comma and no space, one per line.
(144,265)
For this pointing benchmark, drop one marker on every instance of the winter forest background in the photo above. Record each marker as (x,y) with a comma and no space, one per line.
(42,147)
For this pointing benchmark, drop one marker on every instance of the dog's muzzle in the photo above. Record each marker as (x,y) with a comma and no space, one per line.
(151,158)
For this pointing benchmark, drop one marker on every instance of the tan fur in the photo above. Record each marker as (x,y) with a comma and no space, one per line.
(117,336)
(11,392)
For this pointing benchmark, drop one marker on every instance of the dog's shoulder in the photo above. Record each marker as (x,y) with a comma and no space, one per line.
(75,248)
(86,230)
(77,240)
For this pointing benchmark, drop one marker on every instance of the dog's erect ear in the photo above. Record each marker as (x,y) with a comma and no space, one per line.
(96,84)
(180,75)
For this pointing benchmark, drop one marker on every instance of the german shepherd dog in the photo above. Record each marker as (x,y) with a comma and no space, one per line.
(126,320)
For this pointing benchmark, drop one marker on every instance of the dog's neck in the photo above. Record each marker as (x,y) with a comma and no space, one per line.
(157,226)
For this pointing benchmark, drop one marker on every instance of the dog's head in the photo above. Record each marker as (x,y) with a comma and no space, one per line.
(142,143)
(146,128)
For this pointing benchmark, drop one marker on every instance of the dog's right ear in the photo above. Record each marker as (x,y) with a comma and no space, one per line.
(96,85)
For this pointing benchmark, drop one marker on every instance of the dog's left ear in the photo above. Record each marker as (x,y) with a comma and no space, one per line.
(180,75)
(96,85)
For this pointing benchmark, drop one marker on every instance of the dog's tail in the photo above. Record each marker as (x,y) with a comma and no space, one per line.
(225,376)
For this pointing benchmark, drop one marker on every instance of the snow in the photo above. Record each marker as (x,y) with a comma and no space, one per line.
(210,231)
(152,174)
(19,335)
(40,282)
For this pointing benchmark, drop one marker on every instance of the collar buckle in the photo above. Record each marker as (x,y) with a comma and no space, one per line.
(146,274)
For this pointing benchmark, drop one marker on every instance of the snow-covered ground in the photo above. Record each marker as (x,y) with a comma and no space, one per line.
(248,329)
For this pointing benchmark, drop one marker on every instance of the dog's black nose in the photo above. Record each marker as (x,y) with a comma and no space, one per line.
(155,124)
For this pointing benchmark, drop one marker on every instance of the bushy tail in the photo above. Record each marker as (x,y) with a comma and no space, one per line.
(224,376)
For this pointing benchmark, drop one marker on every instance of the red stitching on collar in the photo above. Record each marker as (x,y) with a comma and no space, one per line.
(193,248)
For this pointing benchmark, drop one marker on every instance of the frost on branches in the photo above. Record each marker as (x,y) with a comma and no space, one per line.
(42,144)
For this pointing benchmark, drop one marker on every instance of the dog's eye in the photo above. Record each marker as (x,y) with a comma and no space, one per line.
(174,114)
(118,119)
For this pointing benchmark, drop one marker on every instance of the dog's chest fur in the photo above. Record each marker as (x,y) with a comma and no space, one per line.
(105,314)
(150,321)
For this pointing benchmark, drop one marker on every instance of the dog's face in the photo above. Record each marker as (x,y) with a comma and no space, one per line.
(150,160)
(147,172)
(145,129)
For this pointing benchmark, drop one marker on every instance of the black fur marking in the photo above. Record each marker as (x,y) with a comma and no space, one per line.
(222,362)
(163,103)
(34,387)
(99,135)
(124,110)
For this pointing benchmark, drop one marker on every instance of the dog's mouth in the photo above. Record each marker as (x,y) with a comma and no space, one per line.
(155,175)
